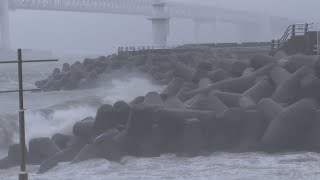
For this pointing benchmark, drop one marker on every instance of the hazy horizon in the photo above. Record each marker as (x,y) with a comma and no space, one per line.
(84,33)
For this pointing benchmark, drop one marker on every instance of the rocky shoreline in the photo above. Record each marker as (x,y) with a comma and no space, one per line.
(214,101)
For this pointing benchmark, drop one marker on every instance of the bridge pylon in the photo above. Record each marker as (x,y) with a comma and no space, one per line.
(160,23)
(4,23)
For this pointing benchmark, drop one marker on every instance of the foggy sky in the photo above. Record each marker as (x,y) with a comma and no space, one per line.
(71,33)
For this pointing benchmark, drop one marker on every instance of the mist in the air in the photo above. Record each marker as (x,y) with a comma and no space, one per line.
(84,33)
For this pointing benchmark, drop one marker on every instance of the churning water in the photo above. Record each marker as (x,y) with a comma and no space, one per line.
(218,166)
(51,112)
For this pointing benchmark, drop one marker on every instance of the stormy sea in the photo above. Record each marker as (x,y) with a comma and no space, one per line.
(51,112)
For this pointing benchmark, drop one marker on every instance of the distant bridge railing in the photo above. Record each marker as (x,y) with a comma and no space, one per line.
(187,47)
(142,48)
(212,45)
(135,7)
(238,45)
(173,9)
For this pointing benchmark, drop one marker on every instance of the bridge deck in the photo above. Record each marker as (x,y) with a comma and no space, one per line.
(139,7)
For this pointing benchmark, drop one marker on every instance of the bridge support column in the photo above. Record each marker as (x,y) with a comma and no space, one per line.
(160,24)
(4,23)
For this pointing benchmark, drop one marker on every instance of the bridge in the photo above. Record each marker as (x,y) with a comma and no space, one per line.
(159,12)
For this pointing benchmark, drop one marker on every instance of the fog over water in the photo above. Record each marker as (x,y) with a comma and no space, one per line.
(67,33)
(83,33)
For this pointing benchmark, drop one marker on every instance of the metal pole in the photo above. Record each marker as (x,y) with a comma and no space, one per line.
(317,41)
(306,28)
(23,175)
(26,90)
(28,61)
(293,30)
(317,29)
(272,44)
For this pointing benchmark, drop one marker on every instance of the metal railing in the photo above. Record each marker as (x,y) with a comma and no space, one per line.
(292,30)
(143,48)
(316,27)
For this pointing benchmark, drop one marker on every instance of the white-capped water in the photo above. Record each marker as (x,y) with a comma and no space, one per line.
(51,112)
(218,166)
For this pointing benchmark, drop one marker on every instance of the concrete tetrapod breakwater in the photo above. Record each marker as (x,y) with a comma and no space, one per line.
(205,107)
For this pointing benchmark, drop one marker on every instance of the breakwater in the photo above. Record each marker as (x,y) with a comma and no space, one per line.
(213,102)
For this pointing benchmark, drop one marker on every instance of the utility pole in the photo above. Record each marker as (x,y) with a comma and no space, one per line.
(23,175)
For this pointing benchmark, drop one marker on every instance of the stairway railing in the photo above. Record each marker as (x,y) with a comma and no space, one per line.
(292,30)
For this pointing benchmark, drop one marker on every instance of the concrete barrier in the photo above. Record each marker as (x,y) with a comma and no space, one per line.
(290,127)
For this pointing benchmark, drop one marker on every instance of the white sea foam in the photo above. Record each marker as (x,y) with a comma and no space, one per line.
(51,112)
(59,121)
(218,166)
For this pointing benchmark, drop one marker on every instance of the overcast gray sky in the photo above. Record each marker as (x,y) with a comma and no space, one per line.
(65,32)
